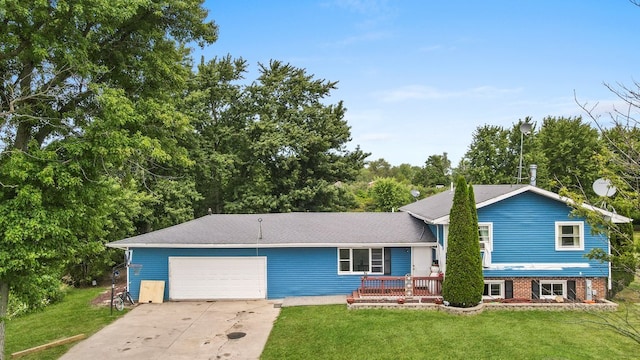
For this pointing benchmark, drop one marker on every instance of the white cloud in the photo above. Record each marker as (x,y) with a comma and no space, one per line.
(375,137)
(421,92)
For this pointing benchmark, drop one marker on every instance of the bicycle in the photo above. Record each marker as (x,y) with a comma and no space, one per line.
(121,298)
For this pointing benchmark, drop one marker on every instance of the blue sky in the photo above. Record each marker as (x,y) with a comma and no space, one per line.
(418,77)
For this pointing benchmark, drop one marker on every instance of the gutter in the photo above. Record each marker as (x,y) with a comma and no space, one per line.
(269,246)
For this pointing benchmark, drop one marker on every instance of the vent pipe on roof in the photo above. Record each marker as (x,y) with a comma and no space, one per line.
(533,172)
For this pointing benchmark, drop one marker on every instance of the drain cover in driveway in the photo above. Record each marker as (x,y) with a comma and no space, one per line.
(235,335)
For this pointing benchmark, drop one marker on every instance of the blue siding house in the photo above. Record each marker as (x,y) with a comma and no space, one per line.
(531,244)
(272,256)
(531,247)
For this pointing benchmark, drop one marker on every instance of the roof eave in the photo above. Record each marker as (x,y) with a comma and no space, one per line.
(504,196)
(266,246)
(419,217)
(615,218)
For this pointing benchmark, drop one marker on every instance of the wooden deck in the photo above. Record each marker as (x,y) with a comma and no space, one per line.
(400,286)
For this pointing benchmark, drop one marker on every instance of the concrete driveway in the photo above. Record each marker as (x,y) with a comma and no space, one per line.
(184,330)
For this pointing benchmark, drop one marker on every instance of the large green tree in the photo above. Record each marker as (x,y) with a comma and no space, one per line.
(87,121)
(463,283)
(563,149)
(220,143)
(436,171)
(388,195)
(568,147)
(273,145)
(490,158)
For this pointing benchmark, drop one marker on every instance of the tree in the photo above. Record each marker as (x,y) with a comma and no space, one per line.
(490,158)
(405,173)
(436,171)
(87,118)
(463,284)
(220,142)
(568,146)
(563,149)
(619,162)
(378,169)
(285,150)
(388,194)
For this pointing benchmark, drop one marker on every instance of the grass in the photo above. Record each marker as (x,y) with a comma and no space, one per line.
(630,294)
(72,316)
(333,332)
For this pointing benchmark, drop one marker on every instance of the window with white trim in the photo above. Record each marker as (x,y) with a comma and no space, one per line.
(569,235)
(493,289)
(485,234)
(363,260)
(549,289)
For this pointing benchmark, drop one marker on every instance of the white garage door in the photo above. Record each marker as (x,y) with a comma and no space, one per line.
(204,278)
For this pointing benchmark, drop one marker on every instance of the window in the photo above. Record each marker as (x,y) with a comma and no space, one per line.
(569,235)
(493,289)
(361,261)
(549,289)
(485,233)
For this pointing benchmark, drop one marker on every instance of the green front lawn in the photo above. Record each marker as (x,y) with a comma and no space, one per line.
(333,332)
(72,316)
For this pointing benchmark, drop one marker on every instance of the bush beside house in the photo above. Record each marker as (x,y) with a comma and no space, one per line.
(463,284)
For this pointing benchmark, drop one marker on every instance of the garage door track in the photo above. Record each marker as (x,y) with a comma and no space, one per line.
(184,330)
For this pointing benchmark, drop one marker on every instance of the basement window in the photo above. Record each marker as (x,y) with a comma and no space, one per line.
(493,289)
(549,289)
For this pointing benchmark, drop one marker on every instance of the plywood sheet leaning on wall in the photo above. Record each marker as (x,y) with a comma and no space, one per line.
(151,291)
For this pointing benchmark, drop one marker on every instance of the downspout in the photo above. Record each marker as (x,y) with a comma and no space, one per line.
(438,252)
(437,245)
(609,277)
(127,261)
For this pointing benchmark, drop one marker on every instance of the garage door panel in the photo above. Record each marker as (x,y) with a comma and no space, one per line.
(204,278)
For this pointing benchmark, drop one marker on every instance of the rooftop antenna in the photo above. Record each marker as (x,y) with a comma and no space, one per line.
(415,193)
(525,129)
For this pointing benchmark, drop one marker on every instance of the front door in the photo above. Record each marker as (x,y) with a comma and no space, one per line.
(420,261)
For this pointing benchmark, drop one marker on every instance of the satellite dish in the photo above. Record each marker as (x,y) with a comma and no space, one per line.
(603,187)
(525,128)
(415,193)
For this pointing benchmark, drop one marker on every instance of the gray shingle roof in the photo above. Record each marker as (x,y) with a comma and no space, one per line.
(438,206)
(287,229)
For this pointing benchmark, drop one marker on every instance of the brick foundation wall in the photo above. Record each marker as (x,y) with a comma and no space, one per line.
(522,286)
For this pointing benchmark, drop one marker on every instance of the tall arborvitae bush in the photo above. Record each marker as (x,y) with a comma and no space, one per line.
(463,283)
(476,285)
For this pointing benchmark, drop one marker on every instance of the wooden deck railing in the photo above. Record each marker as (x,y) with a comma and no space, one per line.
(400,286)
